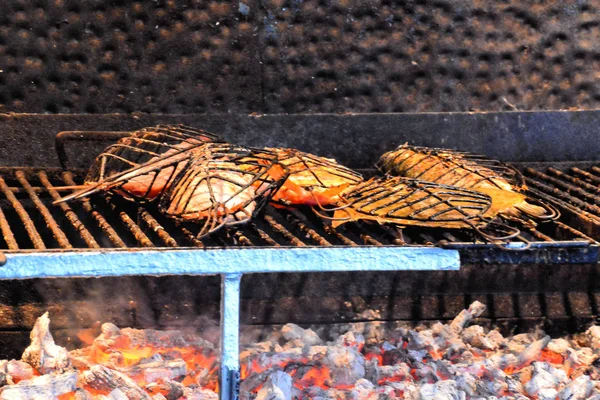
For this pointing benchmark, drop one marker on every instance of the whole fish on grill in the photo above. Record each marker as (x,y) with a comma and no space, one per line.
(312,180)
(224,186)
(469,171)
(142,166)
(212,183)
(410,202)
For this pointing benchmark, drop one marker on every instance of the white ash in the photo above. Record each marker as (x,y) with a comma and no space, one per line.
(366,361)
(306,337)
(43,354)
(277,387)
(446,361)
(346,364)
(41,387)
(578,389)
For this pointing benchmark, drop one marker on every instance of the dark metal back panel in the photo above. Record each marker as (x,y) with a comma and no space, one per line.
(354,140)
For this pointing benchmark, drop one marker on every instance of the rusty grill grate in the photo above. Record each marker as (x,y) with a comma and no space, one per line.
(29,221)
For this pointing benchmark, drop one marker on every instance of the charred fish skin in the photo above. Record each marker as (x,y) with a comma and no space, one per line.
(501,182)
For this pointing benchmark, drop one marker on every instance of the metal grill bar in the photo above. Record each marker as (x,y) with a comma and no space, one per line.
(573,180)
(69,213)
(134,228)
(112,235)
(32,232)
(156,227)
(586,175)
(190,236)
(7,233)
(296,219)
(58,234)
(276,227)
(573,231)
(264,236)
(564,196)
(539,235)
(566,186)
(339,236)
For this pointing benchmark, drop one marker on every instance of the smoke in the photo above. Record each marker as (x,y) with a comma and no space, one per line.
(186,303)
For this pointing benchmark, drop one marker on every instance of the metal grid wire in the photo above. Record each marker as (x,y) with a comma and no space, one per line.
(28,220)
(227,185)
(144,145)
(450,167)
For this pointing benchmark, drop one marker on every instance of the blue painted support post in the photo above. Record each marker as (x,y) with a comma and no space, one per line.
(230,342)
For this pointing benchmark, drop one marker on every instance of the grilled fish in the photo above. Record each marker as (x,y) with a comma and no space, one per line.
(142,166)
(312,180)
(468,171)
(409,202)
(223,185)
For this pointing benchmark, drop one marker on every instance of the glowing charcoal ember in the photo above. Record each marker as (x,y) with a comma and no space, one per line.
(79,394)
(158,370)
(532,352)
(41,387)
(277,387)
(351,339)
(101,378)
(444,361)
(364,389)
(544,381)
(116,394)
(167,388)
(476,337)
(466,316)
(200,394)
(443,390)
(593,337)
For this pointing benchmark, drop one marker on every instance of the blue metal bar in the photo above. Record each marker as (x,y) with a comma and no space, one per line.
(230,341)
(218,261)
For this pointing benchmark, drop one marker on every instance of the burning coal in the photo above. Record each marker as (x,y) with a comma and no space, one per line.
(368,361)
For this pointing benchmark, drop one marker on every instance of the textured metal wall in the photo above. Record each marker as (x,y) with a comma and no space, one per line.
(270,56)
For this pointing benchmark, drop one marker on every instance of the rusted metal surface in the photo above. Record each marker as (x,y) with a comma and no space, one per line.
(105,221)
(7,233)
(68,212)
(32,231)
(358,141)
(102,223)
(58,234)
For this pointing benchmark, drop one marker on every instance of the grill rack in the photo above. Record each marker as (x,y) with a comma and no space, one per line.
(28,221)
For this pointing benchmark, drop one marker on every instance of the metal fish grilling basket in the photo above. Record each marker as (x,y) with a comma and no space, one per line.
(460,163)
(411,202)
(226,185)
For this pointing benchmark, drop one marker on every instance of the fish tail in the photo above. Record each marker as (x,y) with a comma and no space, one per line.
(342,216)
